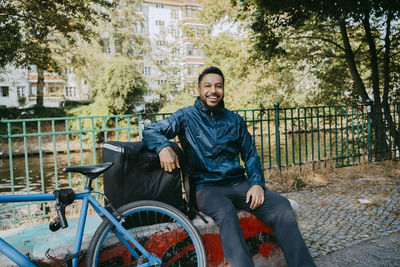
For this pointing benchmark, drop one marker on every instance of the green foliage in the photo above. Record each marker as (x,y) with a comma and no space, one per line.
(30,31)
(352,45)
(36,111)
(119,86)
(21,101)
(182,100)
(251,82)
(28,27)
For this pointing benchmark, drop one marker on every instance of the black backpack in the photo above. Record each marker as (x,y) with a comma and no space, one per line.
(136,175)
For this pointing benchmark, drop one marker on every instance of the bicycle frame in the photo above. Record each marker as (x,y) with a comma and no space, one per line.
(86,198)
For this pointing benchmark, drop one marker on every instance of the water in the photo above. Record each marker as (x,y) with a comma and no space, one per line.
(53,178)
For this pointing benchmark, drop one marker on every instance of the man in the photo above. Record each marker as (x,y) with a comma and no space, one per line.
(212,138)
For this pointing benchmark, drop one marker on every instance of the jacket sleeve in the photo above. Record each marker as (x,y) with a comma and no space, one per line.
(250,157)
(156,136)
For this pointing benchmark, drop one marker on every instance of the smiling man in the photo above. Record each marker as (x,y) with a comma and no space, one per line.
(212,138)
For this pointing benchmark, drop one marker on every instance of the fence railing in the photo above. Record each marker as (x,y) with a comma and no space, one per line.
(34,151)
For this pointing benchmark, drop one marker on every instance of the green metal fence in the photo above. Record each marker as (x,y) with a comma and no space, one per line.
(34,151)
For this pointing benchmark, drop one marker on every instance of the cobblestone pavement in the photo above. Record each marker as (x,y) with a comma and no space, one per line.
(337,216)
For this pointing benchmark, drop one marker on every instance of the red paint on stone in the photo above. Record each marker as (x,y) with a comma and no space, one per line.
(215,255)
(251,225)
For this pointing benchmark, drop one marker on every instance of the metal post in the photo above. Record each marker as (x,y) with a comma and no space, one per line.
(277,135)
(369,130)
(140,126)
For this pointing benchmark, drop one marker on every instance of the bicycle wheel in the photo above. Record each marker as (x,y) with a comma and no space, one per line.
(161,229)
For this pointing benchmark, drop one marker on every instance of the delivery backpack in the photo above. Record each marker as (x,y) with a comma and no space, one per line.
(137,175)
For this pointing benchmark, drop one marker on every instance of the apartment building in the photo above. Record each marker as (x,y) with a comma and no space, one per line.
(174,60)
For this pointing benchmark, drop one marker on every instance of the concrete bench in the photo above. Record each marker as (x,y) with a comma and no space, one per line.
(36,239)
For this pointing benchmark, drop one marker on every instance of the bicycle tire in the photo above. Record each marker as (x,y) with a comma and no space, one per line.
(160,228)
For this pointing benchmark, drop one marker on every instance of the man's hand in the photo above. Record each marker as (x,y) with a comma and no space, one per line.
(256,194)
(168,159)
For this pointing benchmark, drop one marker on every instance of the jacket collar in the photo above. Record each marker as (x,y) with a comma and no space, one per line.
(215,110)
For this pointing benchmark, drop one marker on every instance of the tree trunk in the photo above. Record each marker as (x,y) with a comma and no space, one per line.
(373,59)
(378,125)
(351,63)
(40,86)
(381,148)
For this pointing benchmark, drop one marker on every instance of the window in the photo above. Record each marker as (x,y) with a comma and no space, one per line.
(192,69)
(70,91)
(175,33)
(159,23)
(160,43)
(174,14)
(189,49)
(159,6)
(192,50)
(190,11)
(140,27)
(4,91)
(146,71)
(21,91)
(160,62)
(161,82)
(175,52)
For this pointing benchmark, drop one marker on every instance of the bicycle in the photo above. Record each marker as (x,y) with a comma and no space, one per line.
(142,233)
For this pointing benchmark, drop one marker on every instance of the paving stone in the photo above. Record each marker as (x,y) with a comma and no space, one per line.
(331,218)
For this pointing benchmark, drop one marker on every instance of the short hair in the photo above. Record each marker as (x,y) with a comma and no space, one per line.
(209,70)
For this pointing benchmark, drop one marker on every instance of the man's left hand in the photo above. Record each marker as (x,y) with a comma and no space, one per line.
(256,194)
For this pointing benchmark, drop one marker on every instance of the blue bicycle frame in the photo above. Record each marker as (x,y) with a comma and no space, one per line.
(87,198)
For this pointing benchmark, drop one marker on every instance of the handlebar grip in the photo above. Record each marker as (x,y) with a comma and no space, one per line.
(61,215)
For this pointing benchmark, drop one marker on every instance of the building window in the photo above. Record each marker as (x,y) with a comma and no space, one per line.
(175,52)
(146,71)
(190,11)
(159,6)
(175,33)
(189,49)
(70,91)
(161,82)
(140,27)
(4,91)
(160,43)
(192,50)
(192,69)
(174,14)
(160,23)
(21,91)
(160,62)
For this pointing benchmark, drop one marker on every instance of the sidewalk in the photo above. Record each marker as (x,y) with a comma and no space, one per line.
(340,217)
(383,251)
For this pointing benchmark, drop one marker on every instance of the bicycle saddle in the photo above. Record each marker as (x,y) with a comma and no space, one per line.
(89,170)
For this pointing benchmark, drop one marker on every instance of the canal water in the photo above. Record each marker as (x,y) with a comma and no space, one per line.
(51,181)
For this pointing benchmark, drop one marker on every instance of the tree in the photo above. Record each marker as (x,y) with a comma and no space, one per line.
(250,82)
(120,86)
(363,34)
(29,27)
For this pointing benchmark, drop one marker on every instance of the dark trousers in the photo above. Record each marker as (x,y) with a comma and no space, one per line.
(221,204)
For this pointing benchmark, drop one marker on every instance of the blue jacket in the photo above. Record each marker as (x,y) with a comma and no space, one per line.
(212,141)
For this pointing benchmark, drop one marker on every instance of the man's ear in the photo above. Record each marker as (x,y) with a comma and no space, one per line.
(198,91)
